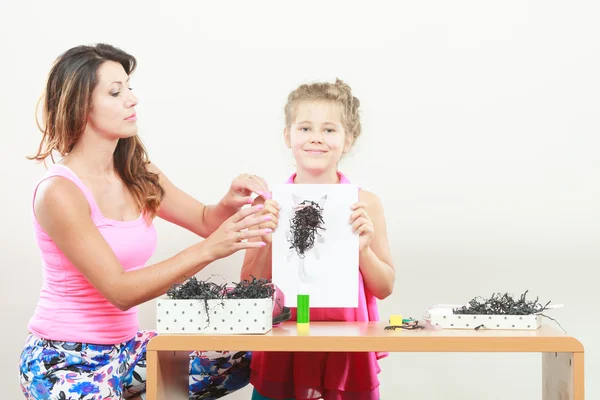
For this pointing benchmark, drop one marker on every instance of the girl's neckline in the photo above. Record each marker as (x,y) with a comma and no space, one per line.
(341,178)
(90,196)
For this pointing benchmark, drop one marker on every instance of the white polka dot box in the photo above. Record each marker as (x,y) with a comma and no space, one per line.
(221,316)
(443,316)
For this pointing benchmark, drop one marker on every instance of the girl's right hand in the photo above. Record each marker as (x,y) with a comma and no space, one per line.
(229,238)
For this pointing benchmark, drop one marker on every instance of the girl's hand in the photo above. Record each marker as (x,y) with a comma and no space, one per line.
(361,224)
(241,189)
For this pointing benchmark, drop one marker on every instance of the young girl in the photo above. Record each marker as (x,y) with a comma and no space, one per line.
(322,123)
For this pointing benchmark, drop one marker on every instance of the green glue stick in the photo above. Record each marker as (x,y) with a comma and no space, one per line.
(303,305)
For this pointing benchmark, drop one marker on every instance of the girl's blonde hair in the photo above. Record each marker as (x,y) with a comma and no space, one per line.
(338,92)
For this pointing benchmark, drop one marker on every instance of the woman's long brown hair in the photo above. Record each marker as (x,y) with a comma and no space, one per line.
(66,103)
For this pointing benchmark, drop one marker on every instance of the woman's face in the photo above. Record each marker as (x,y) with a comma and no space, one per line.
(112,111)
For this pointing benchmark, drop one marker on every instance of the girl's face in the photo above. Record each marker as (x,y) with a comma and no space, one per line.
(112,111)
(317,137)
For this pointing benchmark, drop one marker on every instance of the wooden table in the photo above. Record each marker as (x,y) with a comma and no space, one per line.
(562,355)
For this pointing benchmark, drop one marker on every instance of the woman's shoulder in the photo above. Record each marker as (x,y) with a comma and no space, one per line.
(59,195)
(150,166)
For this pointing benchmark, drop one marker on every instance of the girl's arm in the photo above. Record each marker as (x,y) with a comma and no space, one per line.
(183,210)
(63,212)
(375,259)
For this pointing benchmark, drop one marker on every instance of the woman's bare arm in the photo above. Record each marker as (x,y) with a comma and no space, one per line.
(63,212)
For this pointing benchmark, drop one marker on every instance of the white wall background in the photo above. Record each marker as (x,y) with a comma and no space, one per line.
(480,135)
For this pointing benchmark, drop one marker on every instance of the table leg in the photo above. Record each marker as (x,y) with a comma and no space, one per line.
(167,375)
(562,376)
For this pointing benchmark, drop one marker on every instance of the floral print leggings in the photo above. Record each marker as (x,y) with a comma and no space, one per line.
(57,370)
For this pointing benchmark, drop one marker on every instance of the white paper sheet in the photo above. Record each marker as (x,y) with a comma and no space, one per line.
(328,269)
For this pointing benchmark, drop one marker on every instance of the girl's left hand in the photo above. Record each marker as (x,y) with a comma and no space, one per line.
(241,189)
(361,223)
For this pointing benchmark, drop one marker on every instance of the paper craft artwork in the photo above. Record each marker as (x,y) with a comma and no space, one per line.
(313,245)
(306,226)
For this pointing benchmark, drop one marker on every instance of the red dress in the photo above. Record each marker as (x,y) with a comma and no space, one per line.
(315,375)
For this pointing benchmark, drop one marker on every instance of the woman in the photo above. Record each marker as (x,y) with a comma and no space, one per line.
(92,216)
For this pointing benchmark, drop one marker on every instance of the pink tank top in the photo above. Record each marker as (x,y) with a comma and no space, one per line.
(69,307)
(331,376)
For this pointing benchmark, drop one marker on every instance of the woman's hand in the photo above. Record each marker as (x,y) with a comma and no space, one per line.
(241,189)
(232,235)
(361,223)
(271,209)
